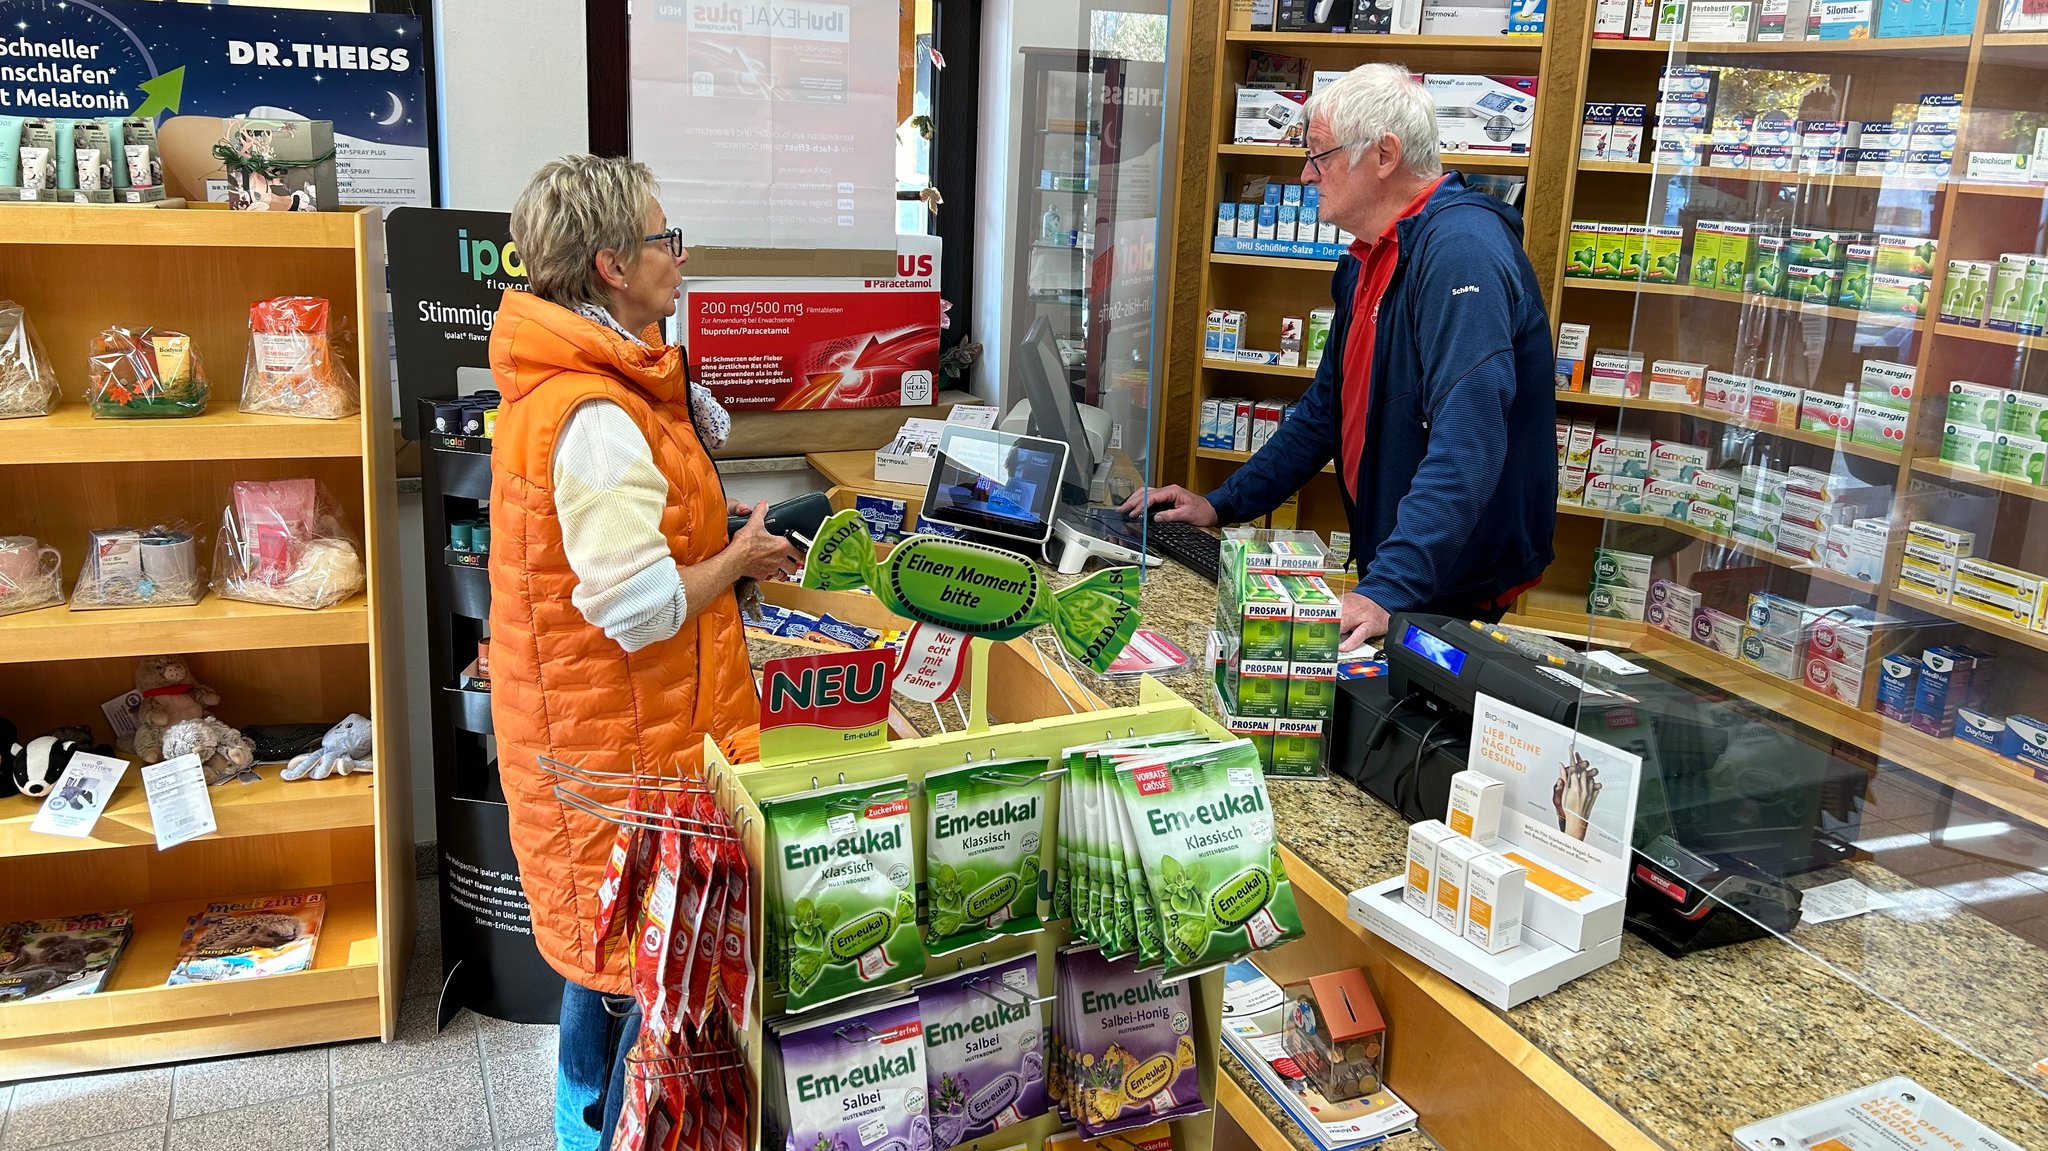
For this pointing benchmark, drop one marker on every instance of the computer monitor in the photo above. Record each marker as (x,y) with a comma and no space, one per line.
(1054,415)
(995,482)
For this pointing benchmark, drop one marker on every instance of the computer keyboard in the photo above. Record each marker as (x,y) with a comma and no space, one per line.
(1193,547)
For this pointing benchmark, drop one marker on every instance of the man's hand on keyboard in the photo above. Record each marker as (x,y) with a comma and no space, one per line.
(1172,504)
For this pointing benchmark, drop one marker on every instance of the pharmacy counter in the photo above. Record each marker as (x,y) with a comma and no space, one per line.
(1648,1052)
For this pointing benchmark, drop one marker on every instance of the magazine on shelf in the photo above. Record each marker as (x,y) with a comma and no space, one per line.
(273,935)
(1895,1114)
(1252,1013)
(62,958)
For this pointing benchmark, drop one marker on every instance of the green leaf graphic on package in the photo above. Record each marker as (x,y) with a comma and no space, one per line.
(841,902)
(977,590)
(984,830)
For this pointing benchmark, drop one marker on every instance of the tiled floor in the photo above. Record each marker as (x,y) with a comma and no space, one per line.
(480,1084)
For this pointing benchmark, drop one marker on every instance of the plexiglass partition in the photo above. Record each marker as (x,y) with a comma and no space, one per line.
(1802,399)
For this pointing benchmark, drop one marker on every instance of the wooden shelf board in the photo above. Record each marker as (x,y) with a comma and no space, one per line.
(1366,40)
(1971,619)
(1259,369)
(1882,45)
(1927,465)
(1973,771)
(1856,315)
(1991,336)
(1790,563)
(270,807)
(2015,39)
(344,967)
(193,227)
(1229,456)
(71,435)
(1796,435)
(1449,159)
(212,624)
(1756,176)
(1989,188)
(1271,262)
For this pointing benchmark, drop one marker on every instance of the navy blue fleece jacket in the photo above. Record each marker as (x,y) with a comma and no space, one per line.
(1457,483)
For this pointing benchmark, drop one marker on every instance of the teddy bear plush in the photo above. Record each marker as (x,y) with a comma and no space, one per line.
(223,752)
(169,696)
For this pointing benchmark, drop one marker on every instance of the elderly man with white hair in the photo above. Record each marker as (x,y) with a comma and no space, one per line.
(1434,393)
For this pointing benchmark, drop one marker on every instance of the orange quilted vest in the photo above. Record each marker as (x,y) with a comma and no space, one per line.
(559,686)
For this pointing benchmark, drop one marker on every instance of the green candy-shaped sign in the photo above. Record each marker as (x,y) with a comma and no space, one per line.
(977,590)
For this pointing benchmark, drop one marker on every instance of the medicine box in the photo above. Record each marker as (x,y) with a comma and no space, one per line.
(1494,902)
(1594,130)
(1968,446)
(1617,602)
(1618,455)
(1767,255)
(1858,261)
(1266,116)
(2026,740)
(1767,653)
(1879,426)
(1800,540)
(2024,413)
(1898,295)
(1836,680)
(1946,676)
(2008,593)
(1897,685)
(1610,19)
(1614,493)
(1818,247)
(1905,256)
(1625,140)
(1579,448)
(1453,863)
(1981,728)
(1827,413)
(1425,839)
(1617,374)
(2022,458)
(1813,285)
(1963,292)
(1977,405)
(1719,488)
(1779,617)
(1582,250)
(1942,538)
(1663,258)
(1315,627)
(1725,392)
(1475,806)
(1256,687)
(1677,381)
(1672,607)
(1253,613)
(1711,517)
(1674,461)
(1774,404)
(1717,631)
(1844,19)
(1621,569)
(1571,486)
(1311,690)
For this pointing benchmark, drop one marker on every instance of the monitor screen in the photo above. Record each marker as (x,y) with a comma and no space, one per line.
(995,482)
(1054,415)
(1433,649)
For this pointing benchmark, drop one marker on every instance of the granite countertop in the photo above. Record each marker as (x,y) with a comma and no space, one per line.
(1688,1050)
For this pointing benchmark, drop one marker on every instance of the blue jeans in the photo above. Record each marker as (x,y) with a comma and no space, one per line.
(590,1073)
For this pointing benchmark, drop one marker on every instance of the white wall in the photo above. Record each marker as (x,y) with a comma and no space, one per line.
(513,94)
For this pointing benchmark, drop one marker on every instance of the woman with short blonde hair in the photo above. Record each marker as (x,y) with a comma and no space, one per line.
(616,642)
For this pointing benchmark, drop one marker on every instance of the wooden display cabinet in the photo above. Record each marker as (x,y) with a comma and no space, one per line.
(1269,288)
(1999,76)
(78,270)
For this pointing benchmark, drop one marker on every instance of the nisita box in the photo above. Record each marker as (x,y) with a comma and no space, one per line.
(1897,684)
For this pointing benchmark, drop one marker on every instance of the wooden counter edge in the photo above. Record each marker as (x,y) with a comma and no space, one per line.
(1516,1078)
(1236,1102)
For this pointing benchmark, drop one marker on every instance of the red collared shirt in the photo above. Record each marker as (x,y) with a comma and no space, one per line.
(1376,270)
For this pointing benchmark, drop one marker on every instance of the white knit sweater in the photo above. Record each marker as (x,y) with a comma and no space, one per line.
(609,496)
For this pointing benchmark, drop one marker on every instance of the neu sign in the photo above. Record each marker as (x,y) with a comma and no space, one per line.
(814,706)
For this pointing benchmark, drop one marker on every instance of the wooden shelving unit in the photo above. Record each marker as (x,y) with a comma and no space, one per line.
(197,270)
(1270,288)
(1997,74)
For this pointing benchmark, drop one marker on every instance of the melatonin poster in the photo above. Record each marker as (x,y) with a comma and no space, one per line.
(198,63)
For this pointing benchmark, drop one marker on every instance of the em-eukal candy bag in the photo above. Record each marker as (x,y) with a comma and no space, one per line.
(983,1054)
(984,837)
(844,896)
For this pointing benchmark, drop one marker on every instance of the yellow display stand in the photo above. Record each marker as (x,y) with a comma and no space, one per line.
(742,787)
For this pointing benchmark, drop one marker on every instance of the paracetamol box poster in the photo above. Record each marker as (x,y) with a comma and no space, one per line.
(1571,800)
(820,342)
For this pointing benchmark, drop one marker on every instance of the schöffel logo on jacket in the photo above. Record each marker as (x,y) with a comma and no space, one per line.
(1466,290)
